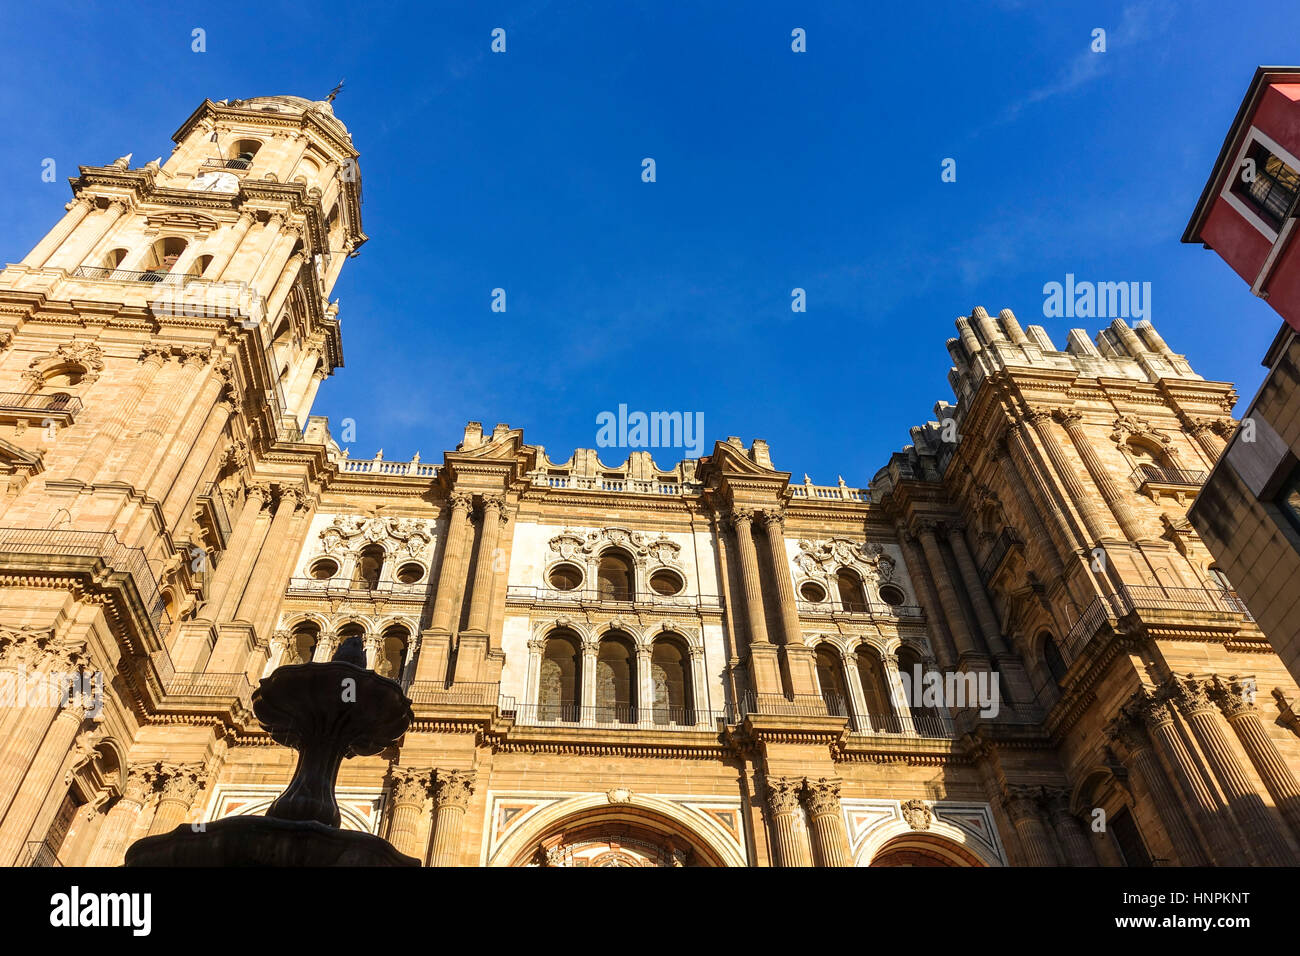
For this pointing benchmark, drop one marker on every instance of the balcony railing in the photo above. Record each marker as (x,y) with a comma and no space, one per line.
(32,402)
(39,853)
(217,503)
(351,590)
(833,606)
(522,593)
(437,693)
(1007,540)
(618,485)
(830,492)
(1155,474)
(106,273)
(923,724)
(226,164)
(617,715)
(210,685)
(41,542)
(774,705)
(377,466)
(1137,598)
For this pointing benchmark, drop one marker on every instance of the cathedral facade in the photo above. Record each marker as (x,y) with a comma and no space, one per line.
(1011,648)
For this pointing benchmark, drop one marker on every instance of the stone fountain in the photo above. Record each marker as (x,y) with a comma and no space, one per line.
(327,712)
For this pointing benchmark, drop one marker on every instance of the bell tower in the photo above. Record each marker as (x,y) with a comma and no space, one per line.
(174,326)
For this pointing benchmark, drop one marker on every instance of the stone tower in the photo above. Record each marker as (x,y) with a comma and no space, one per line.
(171,328)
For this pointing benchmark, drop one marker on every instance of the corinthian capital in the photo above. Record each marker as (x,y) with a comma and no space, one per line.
(410,785)
(772,518)
(495,504)
(180,782)
(783,794)
(1189,694)
(455,787)
(1022,802)
(461,500)
(823,796)
(742,517)
(1234,696)
(1068,417)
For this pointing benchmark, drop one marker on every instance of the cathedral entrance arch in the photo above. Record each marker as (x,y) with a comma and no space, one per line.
(917,849)
(625,830)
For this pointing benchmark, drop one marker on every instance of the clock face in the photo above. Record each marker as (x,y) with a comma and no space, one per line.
(215,182)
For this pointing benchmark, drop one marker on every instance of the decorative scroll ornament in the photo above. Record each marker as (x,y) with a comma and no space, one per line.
(821,558)
(86,356)
(576,545)
(346,532)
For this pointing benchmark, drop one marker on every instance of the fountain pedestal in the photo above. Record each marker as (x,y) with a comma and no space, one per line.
(327,712)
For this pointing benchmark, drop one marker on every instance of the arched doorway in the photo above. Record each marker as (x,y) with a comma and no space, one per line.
(916,849)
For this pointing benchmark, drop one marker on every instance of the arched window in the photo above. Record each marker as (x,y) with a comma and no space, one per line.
(875,689)
(162,258)
(614,576)
(852,597)
(349,641)
(616,679)
(242,153)
(561,677)
(1052,657)
(670,666)
(1219,579)
(392,652)
(302,644)
(114,258)
(830,678)
(370,563)
(926,718)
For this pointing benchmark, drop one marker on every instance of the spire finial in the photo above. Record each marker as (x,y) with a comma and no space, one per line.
(336,91)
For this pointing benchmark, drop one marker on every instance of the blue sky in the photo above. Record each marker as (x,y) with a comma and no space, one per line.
(775,170)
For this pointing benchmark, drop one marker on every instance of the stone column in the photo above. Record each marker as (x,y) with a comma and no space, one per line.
(77,210)
(455,787)
(265,585)
(1027,817)
(180,784)
(1210,434)
(141,460)
(645,687)
(179,473)
(1133,746)
(1037,529)
(830,837)
(857,698)
(1069,834)
(71,254)
(789,834)
(944,651)
(279,645)
(587,684)
(288,275)
(979,599)
(925,531)
(494,516)
(1082,500)
(121,410)
(232,573)
(1265,837)
(1236,699)
(40,777)
(1207,811)
(1117,497)
(773,526)
(450,578)
(411,788)
(110,846)
(222,259)
(1041,489)
(894,687)
(742,519)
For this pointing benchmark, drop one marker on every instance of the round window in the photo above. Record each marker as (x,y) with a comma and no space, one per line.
(324,568)
(665,582)
(410,573)
(812,592)
(565,577)
(892,595)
